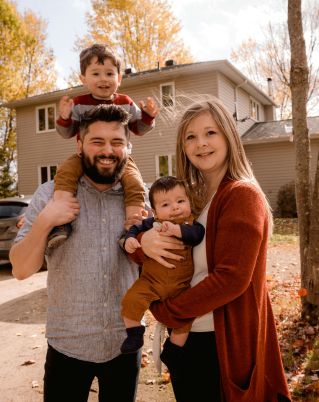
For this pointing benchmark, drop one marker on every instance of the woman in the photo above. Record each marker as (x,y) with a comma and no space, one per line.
(232,352)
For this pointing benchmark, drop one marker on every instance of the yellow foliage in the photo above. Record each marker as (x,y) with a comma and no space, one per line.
(144,33)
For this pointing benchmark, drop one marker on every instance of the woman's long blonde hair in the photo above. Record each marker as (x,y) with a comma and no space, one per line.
(238,165)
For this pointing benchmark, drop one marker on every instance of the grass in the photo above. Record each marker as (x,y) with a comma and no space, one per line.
(277,238)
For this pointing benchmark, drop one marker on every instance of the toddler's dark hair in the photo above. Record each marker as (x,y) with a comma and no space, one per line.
(102,52)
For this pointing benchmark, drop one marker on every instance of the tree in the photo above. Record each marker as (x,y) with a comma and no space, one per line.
(143,32)
(26,68)
(306,196)
(271,58)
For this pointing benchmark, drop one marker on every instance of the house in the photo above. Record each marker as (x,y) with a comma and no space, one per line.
(40,149)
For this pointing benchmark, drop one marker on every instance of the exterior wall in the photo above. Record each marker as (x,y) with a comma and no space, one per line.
(274,165)
(227,93)
(36,150)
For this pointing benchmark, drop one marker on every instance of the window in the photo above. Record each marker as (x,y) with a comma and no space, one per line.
(165,165)
(254,110)
(46,173)
(45,118)
(168,94)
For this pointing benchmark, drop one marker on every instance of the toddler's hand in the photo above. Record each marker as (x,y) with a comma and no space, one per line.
(131,244)
(150,107)
(65,107)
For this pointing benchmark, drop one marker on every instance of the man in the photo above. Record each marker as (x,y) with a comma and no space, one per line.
(87,275)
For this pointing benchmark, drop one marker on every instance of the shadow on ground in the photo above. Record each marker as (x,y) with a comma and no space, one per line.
(28,309)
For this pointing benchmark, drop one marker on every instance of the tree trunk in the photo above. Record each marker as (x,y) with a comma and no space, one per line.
(299,73)
(312,310)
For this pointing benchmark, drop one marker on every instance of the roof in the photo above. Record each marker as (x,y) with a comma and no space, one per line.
(273,131)
(167,73)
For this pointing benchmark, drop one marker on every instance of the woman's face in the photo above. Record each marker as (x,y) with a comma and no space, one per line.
(205,145)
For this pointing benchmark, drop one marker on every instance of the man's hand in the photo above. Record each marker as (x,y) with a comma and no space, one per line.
(150,107)
(59,212)
(65,107)
(131,245)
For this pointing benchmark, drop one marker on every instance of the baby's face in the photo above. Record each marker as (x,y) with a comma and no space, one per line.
(172,204)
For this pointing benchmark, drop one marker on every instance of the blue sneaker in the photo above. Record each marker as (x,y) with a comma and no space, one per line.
(59,235)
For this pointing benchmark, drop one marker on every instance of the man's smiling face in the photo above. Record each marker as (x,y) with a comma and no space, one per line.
(104,152)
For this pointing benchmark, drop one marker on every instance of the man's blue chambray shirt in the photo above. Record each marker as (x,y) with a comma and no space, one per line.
(87,275)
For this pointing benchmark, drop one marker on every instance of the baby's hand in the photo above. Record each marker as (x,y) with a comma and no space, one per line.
(171,229)
(150,107)
(131,244)
(65,107)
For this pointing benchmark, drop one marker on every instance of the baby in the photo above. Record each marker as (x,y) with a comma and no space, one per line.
(172,214)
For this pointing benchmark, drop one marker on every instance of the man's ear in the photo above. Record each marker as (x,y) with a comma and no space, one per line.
(79,147)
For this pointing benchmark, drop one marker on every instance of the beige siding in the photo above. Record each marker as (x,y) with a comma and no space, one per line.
(226,93)
(274,165)
(36,150)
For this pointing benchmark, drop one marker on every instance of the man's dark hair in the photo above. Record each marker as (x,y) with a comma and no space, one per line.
(102,52)
(164,184)
(106,113)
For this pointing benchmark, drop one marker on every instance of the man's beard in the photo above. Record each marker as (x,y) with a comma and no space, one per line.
(103,176)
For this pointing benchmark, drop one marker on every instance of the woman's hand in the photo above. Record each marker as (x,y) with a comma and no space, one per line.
(156,245)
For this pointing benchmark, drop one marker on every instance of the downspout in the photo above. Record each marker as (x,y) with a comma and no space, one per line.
(235,96)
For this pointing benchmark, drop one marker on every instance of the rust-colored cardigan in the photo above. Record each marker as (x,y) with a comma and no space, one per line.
(235,289)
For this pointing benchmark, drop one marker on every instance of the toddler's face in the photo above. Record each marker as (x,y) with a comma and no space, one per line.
(102,80)
(172,204)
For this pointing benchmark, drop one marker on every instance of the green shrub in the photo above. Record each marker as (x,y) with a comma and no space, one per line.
(286,201)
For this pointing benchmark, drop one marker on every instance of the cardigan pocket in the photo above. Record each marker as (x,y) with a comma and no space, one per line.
(237,393)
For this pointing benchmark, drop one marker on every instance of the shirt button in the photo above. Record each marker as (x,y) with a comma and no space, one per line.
(104,304)
(104,276)
(103,220)
(104,248)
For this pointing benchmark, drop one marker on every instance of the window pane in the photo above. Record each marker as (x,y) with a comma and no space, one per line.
(52,172)
(51,118)
(167,95)
(41,119)
(44,174)
(173,165)
(163,165)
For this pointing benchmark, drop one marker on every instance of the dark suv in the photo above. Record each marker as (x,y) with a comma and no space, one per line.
(11,212)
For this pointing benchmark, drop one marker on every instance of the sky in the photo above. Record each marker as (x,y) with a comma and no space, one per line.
(210,28)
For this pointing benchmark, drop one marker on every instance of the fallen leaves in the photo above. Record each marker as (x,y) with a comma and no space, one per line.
(302,292)
(28,363)
(298,340)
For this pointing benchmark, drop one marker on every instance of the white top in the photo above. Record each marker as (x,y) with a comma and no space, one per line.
(204,323)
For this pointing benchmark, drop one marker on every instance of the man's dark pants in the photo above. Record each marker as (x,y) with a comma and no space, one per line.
(69,380)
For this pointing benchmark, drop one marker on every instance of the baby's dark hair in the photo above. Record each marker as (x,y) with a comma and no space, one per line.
(102,52)
(164,184)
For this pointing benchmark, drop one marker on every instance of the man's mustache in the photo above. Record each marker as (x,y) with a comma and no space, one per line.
(110,157)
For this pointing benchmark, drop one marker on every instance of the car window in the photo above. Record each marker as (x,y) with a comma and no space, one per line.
(11,210)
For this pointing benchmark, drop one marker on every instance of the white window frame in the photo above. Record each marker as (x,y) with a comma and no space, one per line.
(257,106)
(170,165)
(166,84)
(48,172)
(45,107)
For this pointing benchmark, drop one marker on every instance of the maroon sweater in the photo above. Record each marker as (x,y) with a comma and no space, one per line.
(235,290)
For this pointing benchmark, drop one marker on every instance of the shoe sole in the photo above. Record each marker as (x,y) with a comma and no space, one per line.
(57,241)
